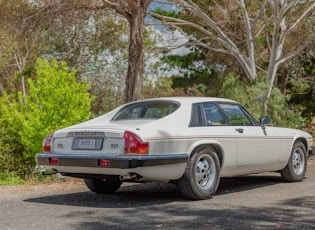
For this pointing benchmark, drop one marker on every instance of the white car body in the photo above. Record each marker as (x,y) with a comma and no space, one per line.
(172,140)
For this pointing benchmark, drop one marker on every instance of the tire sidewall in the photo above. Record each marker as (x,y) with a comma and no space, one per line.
(198,191)
(297,177)
(107,185)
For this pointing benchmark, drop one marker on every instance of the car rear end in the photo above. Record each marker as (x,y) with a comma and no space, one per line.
(83,153)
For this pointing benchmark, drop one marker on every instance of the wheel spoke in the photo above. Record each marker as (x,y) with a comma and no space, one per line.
(297,162)
(199,175)
(203,171)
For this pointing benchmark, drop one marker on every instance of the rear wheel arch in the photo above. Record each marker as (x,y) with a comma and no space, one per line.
(213,146)
(301,139)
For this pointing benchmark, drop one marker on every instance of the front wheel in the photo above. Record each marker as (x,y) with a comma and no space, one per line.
(107,185)
(296,167)
(202,175)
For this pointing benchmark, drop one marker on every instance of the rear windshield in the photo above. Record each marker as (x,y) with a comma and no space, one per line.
(146,110)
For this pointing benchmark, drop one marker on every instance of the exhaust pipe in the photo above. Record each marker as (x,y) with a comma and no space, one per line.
(127,176)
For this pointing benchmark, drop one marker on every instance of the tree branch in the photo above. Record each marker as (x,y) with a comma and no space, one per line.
(292,54)
(199,42)
(261,10)
(305,13)
(119,6)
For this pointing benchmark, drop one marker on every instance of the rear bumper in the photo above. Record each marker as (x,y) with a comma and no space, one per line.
(116,161)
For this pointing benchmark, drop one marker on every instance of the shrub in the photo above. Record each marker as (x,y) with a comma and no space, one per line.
(252,96)
(54,100)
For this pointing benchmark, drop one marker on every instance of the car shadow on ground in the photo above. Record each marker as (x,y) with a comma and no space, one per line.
(136,195)
(244,183)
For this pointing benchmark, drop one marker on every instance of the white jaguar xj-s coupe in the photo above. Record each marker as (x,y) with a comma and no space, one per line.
(191,141)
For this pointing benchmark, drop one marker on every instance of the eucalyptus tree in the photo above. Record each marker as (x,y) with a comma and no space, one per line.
(272,25)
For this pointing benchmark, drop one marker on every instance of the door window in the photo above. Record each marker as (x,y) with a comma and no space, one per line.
(236,115)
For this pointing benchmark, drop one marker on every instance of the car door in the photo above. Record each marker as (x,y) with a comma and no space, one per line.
(254,146)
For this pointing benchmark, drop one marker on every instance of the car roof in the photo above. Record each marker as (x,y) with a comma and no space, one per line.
(189,99)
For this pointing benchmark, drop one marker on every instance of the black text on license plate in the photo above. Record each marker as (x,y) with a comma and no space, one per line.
(87,144)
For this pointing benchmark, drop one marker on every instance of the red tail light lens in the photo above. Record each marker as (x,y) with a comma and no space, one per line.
(53,161)
(47,143)
(133,144)
(104,163)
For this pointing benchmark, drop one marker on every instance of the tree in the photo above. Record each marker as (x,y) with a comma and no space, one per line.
(161,87)
(272,23)
(93,42)
(301,82)
(246,94)
(17,44)
(133,11)
(195,75)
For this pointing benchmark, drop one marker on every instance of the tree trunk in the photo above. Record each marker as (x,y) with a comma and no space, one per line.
(284,79)
(136,56)
(278,38)
(23,89)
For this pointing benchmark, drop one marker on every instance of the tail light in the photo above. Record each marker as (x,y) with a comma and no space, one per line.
(47,143)
(133,144)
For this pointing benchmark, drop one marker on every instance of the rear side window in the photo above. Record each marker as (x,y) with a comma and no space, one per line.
(206,114)
(146,110)
(213,115)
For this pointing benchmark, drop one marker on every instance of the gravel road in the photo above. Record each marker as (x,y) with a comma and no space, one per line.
(261,201)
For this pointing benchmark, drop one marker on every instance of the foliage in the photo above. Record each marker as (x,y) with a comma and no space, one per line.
(161,87)
(10,178)
(6,49)
(54,100)
(195,75)
(96,45)
(17,42)
(11,148)
(169,13)
(301,82)
(252,95)
(259,35)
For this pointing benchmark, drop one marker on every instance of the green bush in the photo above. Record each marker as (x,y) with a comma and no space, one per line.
(252,96)
(10,178)
(11,148)
(54,100)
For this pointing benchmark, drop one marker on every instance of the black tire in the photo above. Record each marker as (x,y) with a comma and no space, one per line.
(103,186)
(202,175)
(296,167)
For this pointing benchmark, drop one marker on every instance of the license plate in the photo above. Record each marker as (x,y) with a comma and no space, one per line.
(87,144)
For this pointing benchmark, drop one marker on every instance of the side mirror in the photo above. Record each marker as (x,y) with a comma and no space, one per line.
(266,120)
